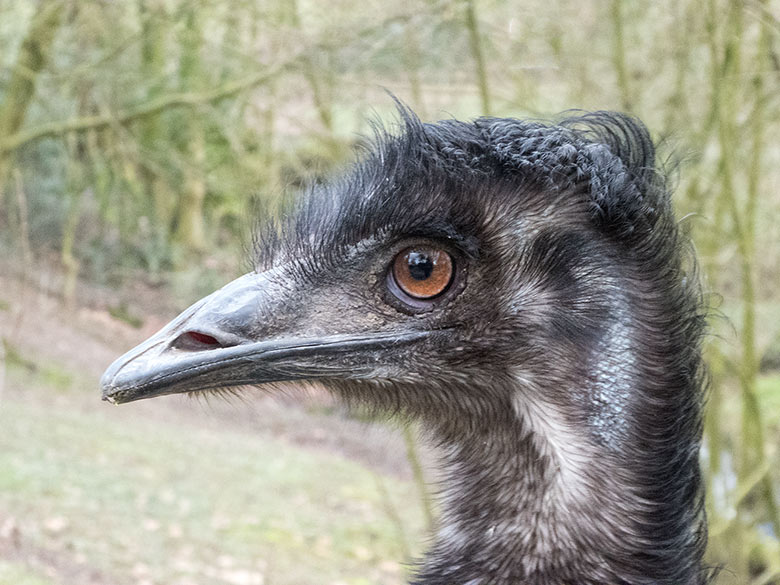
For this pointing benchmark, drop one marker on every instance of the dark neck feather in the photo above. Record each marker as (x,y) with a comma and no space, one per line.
(564,386)
(583,471)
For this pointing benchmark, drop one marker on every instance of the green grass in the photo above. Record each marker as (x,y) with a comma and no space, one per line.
(175,502)
(15,574)
(49,373)
(122,313)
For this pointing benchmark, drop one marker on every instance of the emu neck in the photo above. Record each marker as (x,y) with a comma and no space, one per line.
(519,510)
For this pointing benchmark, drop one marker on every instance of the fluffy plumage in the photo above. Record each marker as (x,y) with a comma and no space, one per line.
(562,378)
(570,425)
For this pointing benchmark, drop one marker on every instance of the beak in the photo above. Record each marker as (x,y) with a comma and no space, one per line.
(242,334)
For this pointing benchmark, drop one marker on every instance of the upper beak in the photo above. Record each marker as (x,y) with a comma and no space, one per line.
(237,335)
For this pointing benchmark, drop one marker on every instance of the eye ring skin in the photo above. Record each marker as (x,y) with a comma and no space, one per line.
(400,300)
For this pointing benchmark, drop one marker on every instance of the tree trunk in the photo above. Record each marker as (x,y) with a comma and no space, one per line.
(310,71)
(189,234)
(728,99)
(32,58)
(475,41)
(619,56)
(160,201)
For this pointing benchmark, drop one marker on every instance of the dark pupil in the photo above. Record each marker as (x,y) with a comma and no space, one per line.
(420,265)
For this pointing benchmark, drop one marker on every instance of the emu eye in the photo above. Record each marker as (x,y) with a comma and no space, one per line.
(423,272)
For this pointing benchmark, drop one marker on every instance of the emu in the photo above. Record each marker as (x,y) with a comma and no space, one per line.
(522,290)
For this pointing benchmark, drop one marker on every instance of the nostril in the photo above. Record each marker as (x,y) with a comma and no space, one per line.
(195,340)
(199,337)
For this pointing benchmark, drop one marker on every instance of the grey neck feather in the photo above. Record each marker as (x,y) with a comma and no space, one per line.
(528,500)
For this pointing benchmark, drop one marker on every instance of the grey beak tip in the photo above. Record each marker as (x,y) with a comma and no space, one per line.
(107,389)
(108,392)
(115,395)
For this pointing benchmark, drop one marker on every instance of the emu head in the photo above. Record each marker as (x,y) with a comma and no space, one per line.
(518,287)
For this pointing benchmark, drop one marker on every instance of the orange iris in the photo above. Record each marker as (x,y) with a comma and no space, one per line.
(423,272)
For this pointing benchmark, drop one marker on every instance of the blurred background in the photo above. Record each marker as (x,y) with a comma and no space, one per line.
(138,138)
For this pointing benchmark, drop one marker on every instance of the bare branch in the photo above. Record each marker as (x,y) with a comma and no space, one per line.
(123,117)
(188,99)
